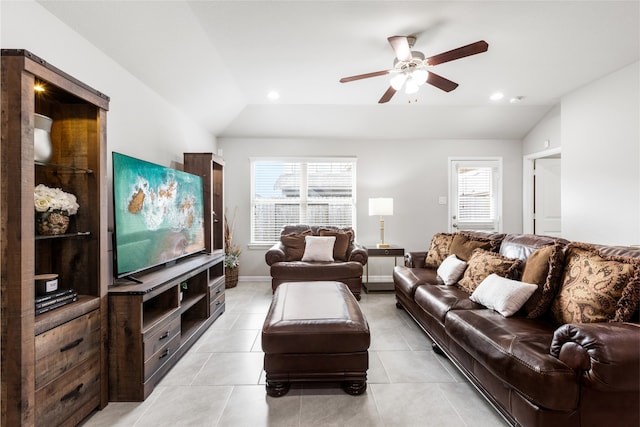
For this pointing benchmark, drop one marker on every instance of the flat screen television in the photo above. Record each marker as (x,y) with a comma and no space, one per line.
(158,215)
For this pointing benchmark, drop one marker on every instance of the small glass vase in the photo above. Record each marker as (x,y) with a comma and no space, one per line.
(52,223)
(42,138)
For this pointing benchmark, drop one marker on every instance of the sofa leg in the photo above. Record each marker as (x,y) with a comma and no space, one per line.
(399,306)
(354,388)
(277,389)
(437,350)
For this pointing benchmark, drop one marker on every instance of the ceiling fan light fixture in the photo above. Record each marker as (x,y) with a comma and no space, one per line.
(398,80)
(411,86)
(420,75)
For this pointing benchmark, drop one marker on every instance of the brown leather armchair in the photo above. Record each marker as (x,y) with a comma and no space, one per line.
(285,257)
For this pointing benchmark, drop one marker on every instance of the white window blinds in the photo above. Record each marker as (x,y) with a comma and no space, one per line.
(301,191)
(476,195)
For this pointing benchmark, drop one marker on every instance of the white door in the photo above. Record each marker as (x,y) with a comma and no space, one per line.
(547,213)
(475,193)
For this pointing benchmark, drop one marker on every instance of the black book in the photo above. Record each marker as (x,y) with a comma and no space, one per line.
(49,302)
(56,305)
(54,295)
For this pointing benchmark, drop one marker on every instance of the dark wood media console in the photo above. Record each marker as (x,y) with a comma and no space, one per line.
(151,326)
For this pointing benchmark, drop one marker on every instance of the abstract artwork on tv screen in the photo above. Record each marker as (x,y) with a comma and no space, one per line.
(158,214)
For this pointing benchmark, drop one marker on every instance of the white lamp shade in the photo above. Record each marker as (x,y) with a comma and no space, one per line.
(381,206)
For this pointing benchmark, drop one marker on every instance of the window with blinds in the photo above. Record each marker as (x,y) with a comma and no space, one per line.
(475,195)
(300,191)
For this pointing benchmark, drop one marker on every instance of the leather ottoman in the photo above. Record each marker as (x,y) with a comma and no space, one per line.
(315,331)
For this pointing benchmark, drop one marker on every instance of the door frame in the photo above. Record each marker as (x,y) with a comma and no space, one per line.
(528,162)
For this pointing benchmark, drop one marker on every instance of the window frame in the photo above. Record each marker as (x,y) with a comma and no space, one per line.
(303,197)
(496,164)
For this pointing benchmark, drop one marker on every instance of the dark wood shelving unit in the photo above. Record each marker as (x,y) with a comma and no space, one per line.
(73,381)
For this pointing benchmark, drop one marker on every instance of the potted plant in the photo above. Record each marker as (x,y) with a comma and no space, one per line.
(231,252)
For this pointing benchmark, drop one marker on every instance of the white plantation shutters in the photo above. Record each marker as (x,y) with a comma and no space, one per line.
(475,195)
(301,191)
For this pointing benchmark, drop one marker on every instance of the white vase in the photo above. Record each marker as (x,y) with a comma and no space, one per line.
(42,138)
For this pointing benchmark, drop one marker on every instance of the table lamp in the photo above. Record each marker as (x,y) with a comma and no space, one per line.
(381,206)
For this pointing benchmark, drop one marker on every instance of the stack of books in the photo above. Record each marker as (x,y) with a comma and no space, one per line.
(55,300)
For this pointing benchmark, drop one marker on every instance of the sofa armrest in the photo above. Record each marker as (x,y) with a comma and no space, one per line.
(606,355)
(275,254)
(358,253)
(415,259)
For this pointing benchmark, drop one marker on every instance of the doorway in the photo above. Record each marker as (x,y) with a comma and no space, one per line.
(541,193)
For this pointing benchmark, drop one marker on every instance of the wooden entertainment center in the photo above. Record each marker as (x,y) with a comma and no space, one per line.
(113,342)
(151,325)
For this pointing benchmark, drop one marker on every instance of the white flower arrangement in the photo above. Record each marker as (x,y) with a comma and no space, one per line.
(54,199)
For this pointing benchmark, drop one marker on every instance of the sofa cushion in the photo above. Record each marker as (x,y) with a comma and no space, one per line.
(543,268)
(303,271)
(438,250)
(439,299)
(294,244)
(596,287)
(503,295)
(463,244)
(407,279)
(482,263)
(516,350)
(521,246)
(343,240)
(318,248)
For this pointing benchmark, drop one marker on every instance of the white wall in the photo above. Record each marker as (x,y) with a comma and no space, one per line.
(140,122)
(547,129)
(601,160)
(413,172)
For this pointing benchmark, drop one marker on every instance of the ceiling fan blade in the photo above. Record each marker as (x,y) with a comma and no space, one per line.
(461,52)
(387,95)
(400,46)
(441,83)
(364,76)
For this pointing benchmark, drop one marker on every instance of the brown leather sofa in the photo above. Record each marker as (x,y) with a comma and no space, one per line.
(534,369)
(286,265)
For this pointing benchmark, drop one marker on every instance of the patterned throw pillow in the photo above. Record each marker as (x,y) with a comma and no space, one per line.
(543,268)
(596,287)
(343,241)
(483,263)
(294,245)
(439,249)
(464,244)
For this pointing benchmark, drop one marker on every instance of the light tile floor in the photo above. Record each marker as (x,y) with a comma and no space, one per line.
(220,381)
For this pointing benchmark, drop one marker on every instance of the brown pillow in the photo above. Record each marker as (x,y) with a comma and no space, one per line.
(294,245)
(543,268)
(596,287)
(343,241)
(483,263)
(439,249)
(463,245)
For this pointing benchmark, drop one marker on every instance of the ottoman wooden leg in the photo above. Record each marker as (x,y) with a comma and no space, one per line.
(277,388)
(354,388)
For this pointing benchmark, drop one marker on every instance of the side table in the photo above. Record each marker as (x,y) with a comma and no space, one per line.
(374,252)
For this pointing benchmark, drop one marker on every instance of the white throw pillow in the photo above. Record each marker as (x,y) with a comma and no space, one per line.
(503,295)
(451,269)
(318,248)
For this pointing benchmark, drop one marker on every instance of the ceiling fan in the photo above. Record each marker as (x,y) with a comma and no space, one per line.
(410,67)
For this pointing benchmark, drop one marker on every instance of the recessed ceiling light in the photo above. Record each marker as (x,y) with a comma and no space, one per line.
(273,95)
(496,96)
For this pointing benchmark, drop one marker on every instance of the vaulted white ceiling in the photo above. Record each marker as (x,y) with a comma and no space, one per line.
(217,60)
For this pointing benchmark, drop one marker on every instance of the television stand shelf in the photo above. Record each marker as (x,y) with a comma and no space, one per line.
(151,326)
